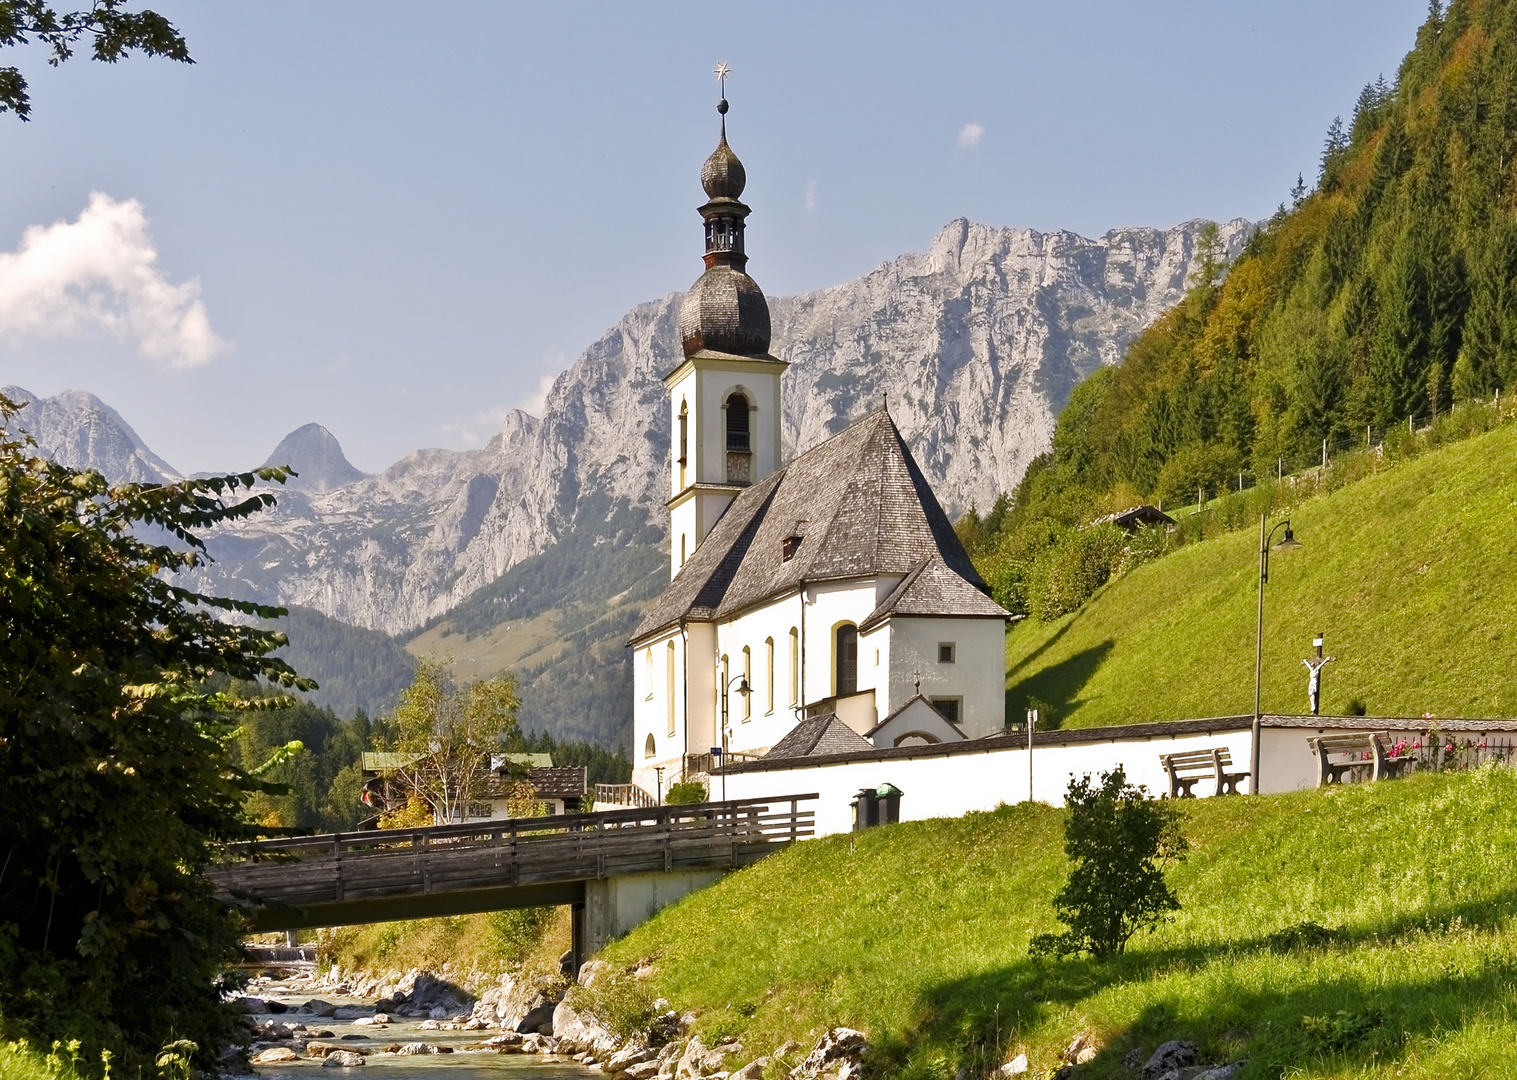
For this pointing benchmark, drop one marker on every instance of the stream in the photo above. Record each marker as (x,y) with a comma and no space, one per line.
(371,1040)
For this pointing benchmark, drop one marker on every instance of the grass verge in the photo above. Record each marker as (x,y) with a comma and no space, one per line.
(459,944)
(1366,931)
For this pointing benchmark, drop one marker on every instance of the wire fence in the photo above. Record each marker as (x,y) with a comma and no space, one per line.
(1438,751)
(1334,463)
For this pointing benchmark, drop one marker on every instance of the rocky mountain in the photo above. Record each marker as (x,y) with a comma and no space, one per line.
(79,430)
(319,463)
(977,342)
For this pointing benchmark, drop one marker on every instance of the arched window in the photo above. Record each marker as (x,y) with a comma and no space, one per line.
(737,423)
(648,749)
(747,683)
(648,674)
(739,443)
(684,443)
(848,659)
(795,666)
(669,684)
(768,675)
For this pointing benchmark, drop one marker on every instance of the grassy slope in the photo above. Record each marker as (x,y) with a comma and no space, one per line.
(1410,572)
(919,936)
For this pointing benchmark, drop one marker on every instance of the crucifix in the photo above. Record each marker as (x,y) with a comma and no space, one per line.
(1314,665)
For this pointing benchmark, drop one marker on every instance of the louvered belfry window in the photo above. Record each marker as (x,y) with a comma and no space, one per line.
(737,423)
(739,445)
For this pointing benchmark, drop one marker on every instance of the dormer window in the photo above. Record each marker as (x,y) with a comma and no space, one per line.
(789,546)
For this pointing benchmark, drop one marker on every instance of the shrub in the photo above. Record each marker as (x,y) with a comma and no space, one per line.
(685,793)
(1120,842)
(1067,575)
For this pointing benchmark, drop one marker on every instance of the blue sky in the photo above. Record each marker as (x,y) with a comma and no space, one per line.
(397,220)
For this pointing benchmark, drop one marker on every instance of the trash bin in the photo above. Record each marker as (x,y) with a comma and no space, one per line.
(866,809)
(888,804)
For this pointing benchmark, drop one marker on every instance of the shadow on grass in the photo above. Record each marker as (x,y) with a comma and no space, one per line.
(1050,643)
(1334,1019)
(1058,685)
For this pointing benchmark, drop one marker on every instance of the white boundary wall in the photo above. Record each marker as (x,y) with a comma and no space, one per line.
(950,785)
(967,778)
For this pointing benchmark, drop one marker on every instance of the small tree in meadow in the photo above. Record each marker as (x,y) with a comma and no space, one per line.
(1120,842)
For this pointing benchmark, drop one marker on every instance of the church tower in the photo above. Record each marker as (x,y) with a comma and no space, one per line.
(725,397)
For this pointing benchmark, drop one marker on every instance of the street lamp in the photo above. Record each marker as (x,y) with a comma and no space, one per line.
(741,678)
(1287,542)
(658,770)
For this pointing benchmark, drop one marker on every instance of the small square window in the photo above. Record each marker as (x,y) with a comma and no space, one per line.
(945,652)
(949,707)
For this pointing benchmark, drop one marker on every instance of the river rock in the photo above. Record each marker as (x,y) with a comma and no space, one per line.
(754,1070)
(351,1012)
(320,1048)
(317,1007)
(345,1059)
(839,1052)
(429,1025)
(1171,1057)
(1015,1067)
(634,1053)
(251,1005)
(646,1071)
(275,1054)
(540,1019)
(418,1048)
(1223,1072)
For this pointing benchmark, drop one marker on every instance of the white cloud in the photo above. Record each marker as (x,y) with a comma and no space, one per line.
(811,196)
(101,270)
(483,424)
(969,134)
(539,399)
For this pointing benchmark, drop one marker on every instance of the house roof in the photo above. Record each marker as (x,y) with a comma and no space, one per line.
(915,710)
(818,735)
(862,508)
(1138,516)
(385,761)
(931,589)
(559,782)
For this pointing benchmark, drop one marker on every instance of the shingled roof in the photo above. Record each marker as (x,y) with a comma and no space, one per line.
(862,508)
(933,589)
(819,735)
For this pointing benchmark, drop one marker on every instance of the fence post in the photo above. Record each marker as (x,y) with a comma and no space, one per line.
(794,814)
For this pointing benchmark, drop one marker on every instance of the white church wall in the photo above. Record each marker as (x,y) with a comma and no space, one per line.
(953,785)
(977,674)
(766,720)
(829,605)
(652,694)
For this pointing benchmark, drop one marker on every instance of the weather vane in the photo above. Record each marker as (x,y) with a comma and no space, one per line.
(722,71)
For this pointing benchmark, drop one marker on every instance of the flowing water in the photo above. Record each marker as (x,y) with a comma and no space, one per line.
(380,1065)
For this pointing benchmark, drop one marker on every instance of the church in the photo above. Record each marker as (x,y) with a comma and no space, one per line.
(819,605)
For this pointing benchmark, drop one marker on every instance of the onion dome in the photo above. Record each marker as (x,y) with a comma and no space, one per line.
(723,176)
(725,311)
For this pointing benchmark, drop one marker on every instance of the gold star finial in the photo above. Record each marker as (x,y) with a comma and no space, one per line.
(722,70)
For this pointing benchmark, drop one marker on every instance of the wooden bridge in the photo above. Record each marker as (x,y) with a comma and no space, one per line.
(376,876)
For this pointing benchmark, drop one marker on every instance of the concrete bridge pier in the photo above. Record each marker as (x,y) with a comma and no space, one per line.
(615,905)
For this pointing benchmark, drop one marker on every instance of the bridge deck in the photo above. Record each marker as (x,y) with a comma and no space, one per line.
(342,878)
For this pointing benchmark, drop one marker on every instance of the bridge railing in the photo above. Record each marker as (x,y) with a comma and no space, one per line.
(623,795)
(338,867)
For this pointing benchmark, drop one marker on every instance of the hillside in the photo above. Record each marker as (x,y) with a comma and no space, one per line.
(1382,294)
(1408,572)
(918,934)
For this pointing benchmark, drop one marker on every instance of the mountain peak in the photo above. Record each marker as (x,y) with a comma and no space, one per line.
(315,454)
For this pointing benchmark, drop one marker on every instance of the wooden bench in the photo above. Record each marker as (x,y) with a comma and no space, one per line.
(1357,751)
(1193,765)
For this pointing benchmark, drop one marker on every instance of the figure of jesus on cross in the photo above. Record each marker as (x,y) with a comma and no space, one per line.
(1314,665)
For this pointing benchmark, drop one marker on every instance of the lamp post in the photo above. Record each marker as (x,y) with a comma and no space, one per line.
(741,678)
(658,771)
(1287,542)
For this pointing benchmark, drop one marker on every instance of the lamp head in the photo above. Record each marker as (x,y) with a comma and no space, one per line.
(1288,541)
